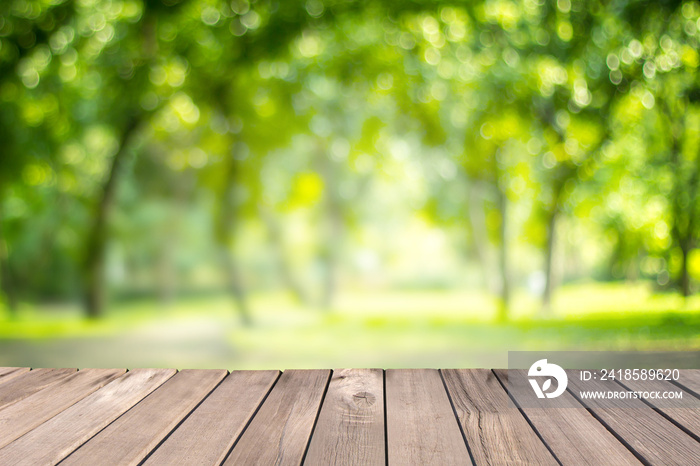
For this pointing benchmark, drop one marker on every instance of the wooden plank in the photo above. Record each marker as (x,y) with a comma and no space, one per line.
(21,417)
(573,435)
(129,439)
(208,434)
(421,424)
(281,430)
(61,435)
(690,381)
(350,427)
(685,417)
(29,383)
(7,373)
(643,430)
(495,429)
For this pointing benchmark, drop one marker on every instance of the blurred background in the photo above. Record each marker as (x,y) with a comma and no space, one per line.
(337,183)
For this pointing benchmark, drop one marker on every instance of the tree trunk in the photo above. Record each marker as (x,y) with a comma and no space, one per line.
(683,222)
(549,262)
(477,221)
(285,268)
(225,228)
(504,302)
(633,267)
(235,287)
(94,265)
(335,228)
(687,241)
(685,274)
(166,280)
(6,277)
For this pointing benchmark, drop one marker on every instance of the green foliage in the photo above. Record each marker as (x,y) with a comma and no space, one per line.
(304,139)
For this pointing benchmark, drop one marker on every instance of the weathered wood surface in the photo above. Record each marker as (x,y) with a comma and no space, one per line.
(687,419)
(341,417)
(421,425)
(129,439)
(59,436)
(208,434)
(690,381)
(640,428)
(281,430)
(21,417)
(350,428)
(572,434)
(7,373)
(495,431)
(28,383)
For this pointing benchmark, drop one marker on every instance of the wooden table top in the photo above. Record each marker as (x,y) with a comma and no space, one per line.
(347,416)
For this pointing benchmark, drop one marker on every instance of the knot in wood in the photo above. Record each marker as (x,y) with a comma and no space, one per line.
(364,398)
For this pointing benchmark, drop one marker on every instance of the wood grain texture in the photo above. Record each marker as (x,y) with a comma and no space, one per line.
(23,416)
(687,418)
(281,430)
(690,381)
(495,429)
(150,416)
(571,432)
(136,433)
(28,383)
(421,425)
(208,434)
(350,427)
(642,429)
(7,373)
(61,435)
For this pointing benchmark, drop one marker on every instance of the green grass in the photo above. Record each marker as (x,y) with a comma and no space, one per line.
(382,329)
